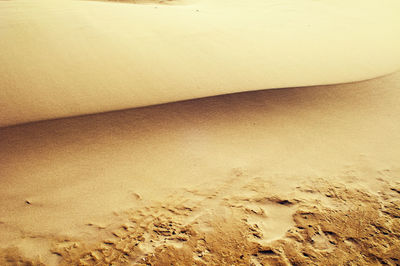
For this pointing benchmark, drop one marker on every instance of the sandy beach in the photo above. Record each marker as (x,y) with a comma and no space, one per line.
(199,133)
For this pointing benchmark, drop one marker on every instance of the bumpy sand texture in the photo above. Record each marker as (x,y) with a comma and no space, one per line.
(362,229)
(321,223)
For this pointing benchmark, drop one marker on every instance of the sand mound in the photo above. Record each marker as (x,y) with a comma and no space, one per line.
(67,58)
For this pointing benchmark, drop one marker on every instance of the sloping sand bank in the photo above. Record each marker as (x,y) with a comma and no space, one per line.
(303,175)
(66,58)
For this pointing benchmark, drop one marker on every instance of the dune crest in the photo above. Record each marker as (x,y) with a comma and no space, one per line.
(298,175)
(162,2)
(67,58)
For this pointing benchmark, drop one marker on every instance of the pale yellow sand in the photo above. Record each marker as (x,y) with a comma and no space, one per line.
(224,180)
(62,58)
(306,175)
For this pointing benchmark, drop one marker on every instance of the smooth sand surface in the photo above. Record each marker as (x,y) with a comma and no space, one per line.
(65,58)
(300,175)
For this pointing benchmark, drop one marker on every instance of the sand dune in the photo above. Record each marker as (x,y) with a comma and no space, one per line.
(245,171)
(301,175)
(67,58)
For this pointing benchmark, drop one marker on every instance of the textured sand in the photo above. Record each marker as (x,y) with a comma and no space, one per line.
(292,176)
(295,176)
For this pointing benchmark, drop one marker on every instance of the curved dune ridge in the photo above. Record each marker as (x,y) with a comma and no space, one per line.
(228,171)
(300,176)
(67,58)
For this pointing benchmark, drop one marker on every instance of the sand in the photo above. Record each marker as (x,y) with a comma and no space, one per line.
(300,175)
(265,175)
(65,58)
